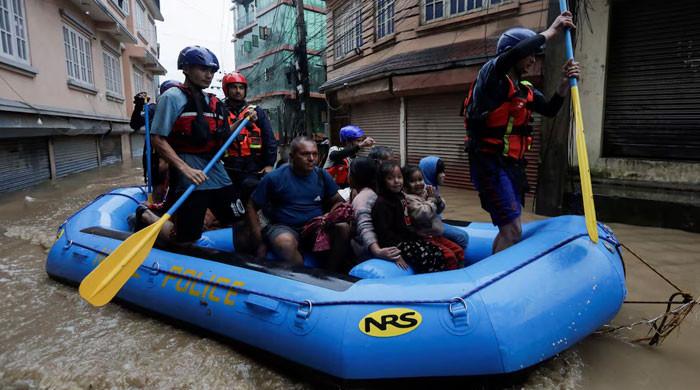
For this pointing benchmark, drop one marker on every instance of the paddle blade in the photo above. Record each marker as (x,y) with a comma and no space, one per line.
(584,170)
(105,281)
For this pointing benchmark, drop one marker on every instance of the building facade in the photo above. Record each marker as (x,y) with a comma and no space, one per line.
(69,70)
(641,110)
(265,40)
(400,69)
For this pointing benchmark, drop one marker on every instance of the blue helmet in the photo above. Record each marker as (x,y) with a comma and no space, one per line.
(167,84)
(512,37)
(350,132)
(197,55)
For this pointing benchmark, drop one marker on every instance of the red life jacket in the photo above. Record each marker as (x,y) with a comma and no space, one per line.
(199,136)
(339,172)
(249,140)
(507,129)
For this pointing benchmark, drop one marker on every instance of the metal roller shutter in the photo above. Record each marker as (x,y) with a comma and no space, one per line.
(652,107)
(434,127)
(74,154)
(110,150)
(23,163)
(381,121)
(137,142)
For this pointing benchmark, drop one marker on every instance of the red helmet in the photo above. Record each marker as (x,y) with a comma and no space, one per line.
(233,78)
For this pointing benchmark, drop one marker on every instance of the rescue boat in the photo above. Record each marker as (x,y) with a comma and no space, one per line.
(501,314)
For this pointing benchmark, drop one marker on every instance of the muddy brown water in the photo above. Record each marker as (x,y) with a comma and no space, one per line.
(52,339)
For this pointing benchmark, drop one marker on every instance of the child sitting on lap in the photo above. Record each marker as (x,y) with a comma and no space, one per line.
(392,224)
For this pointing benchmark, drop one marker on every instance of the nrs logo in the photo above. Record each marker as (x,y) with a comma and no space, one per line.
(390,322)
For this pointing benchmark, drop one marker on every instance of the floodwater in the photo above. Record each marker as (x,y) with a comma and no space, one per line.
(52,339)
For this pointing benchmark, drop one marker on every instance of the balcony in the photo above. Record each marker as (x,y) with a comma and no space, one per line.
(105,20)
(144,57)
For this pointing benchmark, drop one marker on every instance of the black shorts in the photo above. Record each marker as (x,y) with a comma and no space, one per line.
(189,218)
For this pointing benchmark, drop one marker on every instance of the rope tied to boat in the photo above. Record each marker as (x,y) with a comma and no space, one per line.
(665,323)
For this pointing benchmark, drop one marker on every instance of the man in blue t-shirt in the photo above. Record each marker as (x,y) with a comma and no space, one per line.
(290,196)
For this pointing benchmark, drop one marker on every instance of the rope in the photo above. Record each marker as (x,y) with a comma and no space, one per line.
(663,324)
(669,320)
(357,302)
(651,268)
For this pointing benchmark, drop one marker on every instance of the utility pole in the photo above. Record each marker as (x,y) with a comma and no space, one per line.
(302,67)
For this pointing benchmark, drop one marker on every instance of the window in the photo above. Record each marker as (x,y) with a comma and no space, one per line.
(123,5)
(142,26)
(438,9)
(113,75)
(255,41)
(347,28)
(385,18)
(78,56)
(13,31)
(139,82)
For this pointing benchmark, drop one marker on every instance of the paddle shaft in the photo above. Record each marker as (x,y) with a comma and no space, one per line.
(149,177)
(209,166)
(581,150)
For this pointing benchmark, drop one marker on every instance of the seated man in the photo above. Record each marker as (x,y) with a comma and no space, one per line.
(291,196)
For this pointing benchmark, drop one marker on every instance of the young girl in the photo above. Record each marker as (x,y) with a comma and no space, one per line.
(392,224)
(363,181)
(433,169)
(423,208)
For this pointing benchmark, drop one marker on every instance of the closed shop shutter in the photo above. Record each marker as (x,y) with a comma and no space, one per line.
(137,141)
(74,154)
(652,101)
(381,121)
(110,150)
(434,127)
(23,163)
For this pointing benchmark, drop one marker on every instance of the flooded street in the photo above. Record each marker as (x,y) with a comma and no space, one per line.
(53,339)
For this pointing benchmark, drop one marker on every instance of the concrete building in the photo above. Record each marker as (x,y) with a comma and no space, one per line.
(68,71)
(401,70)
(265,38)
(641,109)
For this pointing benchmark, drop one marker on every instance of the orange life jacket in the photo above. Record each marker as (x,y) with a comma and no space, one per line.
(199,132)
(339,172)
(249,140)
(507,128)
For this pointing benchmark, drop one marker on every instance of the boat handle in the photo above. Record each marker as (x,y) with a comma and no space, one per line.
(458,313)
(260,302)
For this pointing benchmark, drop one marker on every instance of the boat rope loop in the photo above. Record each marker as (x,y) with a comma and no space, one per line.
(666,322)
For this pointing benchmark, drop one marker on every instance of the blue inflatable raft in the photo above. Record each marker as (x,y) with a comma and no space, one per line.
(501,314)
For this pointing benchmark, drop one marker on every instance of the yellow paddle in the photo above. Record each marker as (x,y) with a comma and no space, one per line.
(105,281)
(584,170)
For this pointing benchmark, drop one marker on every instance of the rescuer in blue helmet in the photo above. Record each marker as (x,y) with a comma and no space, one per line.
(338,164)
(189,127)
(497,112)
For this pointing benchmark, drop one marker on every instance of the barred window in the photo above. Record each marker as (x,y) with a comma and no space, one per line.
(13,31)
(78,56)
(113,75)
(347,26)
(385,18)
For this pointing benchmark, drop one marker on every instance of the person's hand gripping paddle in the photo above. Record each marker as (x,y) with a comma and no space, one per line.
(584,170)
(105,281)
